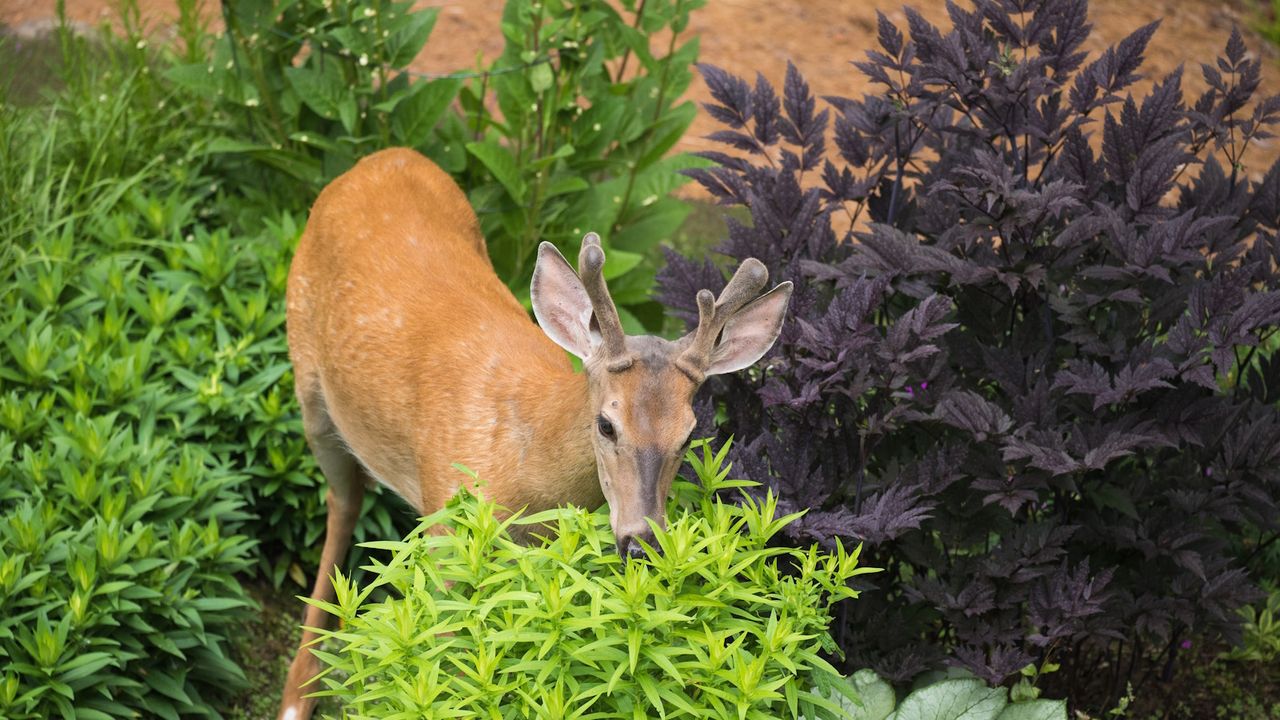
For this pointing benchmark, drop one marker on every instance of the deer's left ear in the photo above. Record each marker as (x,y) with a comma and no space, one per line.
(749,334)
(561,303)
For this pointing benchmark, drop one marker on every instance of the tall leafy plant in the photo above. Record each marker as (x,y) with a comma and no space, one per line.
(567,131)
(1023,365)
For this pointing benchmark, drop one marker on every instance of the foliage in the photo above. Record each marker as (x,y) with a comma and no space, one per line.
(567,131)
(718,624)
(1267,20)
(118,537)
(1261,631)
(1023,364)
(950,698)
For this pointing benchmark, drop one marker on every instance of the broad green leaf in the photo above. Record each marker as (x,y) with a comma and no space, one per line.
(414,118)
(960,699)
(877,696)
(498,161)
(1035,710)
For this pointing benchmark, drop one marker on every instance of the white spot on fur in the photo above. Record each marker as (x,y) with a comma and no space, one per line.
(290,714)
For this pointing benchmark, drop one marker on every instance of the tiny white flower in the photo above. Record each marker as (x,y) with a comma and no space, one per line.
(364,59)
(251,102)
(370,12)
(649,200)
(303,138)
(596,127)
(102,97)
(230,64)
(141,44)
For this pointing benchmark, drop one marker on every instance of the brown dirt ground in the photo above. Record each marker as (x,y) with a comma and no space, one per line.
(819,36)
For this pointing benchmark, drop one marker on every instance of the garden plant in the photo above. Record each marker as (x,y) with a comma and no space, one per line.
(1029,372)
(1032,364)
(719,624)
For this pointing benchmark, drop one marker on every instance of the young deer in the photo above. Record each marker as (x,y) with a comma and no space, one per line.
(410,354)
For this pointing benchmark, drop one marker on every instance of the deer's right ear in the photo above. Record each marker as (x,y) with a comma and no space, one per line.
(561,303)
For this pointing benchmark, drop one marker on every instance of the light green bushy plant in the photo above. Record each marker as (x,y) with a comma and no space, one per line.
(718,624)
(1260,642)
(567,131)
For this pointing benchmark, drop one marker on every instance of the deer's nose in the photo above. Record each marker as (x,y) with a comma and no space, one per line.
(630,547)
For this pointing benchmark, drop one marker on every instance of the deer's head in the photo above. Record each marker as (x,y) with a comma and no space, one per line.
(641,387)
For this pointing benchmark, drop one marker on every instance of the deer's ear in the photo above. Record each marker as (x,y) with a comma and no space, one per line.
(749,334)
(560,303)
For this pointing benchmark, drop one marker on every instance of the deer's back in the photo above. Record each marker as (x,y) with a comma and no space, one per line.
(393,307)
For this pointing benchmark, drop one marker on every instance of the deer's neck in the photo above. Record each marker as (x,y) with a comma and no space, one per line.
(560,458)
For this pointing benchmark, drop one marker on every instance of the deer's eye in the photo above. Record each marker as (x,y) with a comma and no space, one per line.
(606,428)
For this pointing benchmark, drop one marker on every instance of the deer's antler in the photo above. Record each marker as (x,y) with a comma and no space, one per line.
(591,272)
(743,287)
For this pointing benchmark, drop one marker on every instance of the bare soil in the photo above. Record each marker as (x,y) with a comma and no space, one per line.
(820,36)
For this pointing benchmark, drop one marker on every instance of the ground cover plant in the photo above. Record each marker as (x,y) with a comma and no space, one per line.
(1031,361)
(119,540)
(719,624)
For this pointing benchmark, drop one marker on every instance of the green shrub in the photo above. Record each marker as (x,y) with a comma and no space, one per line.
(567,131)
(718,625)
(1260,631)
(118,537)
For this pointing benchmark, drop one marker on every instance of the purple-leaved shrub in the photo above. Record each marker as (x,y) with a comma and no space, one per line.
(1029,356)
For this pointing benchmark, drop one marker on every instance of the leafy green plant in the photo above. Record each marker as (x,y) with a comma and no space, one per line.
(951,698)
(567,131)
(716,624)
(119,539)
(1266,21)
(1260,631)
(146,411)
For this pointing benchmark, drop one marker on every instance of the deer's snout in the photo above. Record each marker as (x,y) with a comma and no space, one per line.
(630,547)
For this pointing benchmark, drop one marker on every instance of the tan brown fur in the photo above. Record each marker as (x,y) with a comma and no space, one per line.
(377,330)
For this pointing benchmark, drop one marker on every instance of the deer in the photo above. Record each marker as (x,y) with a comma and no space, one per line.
(410,355)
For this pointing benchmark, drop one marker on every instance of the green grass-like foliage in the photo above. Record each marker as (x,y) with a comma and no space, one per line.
(719,624)
(119,529)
